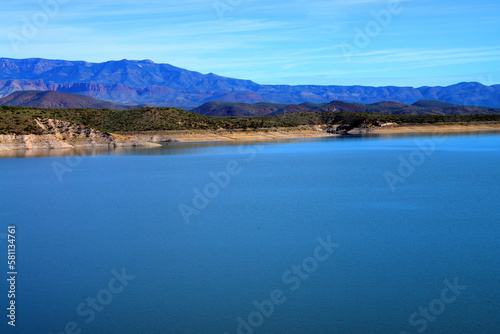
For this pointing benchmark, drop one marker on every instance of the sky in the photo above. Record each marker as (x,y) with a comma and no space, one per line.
(338,42)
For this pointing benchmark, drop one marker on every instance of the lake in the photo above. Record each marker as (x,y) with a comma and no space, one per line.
(337,235)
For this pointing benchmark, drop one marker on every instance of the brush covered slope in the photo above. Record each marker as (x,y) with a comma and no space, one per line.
(54,100)
(422,107)
(24,121)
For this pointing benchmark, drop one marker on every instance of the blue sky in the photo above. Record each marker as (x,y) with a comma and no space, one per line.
(338,42)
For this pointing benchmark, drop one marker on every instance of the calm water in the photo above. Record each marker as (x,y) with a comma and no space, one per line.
(402,237)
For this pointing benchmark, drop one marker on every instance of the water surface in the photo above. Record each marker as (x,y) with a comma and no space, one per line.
(80,217)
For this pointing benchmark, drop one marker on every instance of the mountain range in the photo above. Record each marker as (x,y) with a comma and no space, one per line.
(58,100)
(131,82)
(422,107)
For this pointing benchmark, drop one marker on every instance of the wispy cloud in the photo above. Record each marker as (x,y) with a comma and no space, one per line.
(265,40)
(430,57)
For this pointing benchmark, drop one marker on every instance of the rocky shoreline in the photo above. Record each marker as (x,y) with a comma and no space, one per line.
(65,135)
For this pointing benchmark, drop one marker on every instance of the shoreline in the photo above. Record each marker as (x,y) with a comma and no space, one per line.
(207,136)
(445,128)
(202,136)
(12,143)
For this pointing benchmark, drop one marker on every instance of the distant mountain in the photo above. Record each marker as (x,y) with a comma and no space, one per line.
(434,104)
(423,107)
(131,82)
(54,100)
(218,108)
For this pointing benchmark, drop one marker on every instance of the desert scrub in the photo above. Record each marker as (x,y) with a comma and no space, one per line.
(20,120)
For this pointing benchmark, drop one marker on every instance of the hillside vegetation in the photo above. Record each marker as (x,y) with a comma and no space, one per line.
(20,120)
(52,99)
(422,107)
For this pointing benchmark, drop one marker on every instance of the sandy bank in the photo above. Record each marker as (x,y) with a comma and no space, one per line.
(67,136)
(229,136)
(317,132)
(446,128)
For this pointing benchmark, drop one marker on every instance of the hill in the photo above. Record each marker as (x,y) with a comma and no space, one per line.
(22,121)
(223,109)
(433,104)
(423,107)
(131,82)
(53,100)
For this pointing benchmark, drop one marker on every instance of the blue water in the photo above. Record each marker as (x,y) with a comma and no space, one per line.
(396,246)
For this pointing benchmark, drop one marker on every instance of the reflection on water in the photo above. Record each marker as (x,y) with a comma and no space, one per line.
(201,147)
(39,153)
(436,132)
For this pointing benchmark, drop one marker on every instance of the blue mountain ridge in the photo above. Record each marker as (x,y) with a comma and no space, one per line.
(132,82)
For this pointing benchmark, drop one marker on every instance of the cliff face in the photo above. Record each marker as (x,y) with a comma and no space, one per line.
(62,134)
(74,133)
(28,142)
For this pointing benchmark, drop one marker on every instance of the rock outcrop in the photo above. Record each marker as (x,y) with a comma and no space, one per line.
(74,133)
(62,134)
(29,142)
